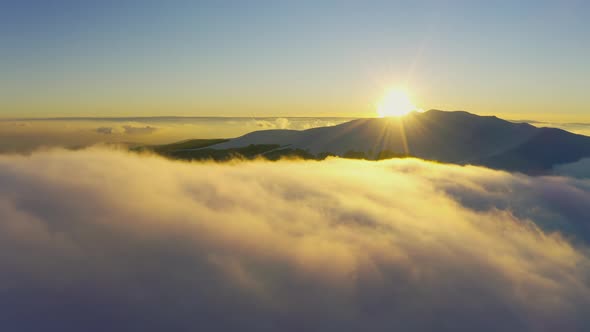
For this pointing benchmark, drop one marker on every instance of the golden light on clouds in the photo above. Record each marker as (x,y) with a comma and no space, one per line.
(319,242)
(397,244)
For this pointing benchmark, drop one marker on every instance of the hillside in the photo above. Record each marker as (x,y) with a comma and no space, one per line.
(450,137)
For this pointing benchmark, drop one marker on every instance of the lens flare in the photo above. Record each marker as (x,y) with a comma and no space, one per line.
(395,103)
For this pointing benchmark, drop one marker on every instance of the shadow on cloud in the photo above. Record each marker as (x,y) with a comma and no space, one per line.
(578,169)
(99,240)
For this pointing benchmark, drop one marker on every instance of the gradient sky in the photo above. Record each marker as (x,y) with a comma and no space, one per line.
(290,58)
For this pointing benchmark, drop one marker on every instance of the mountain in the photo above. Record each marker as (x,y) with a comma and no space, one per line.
(450,137)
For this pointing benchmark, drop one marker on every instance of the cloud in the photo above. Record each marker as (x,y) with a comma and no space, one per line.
(132,130)
(20,124)
(578,169)
(278,123)
(127,129)
(282,123)
(105,130)
(100,240)
(24,137)
(574,127)
(296,123)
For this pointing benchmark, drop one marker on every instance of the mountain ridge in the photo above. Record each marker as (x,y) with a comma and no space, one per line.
(457,137)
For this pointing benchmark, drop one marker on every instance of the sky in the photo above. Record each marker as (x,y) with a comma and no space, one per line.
(520,60)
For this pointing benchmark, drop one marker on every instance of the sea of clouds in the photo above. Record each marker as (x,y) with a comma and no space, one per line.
(28,135)
(106,240)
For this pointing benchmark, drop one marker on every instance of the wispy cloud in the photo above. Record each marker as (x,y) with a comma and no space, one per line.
(105,130)
(579,169)
(20,136)
(101,240)
(133,130)
(581,128)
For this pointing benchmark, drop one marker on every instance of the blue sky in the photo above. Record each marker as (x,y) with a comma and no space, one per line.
(285,58)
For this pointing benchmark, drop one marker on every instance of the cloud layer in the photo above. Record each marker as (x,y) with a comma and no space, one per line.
(578,169)
(25,136)
(100,240)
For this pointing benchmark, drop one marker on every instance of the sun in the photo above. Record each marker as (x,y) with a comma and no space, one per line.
(395,103)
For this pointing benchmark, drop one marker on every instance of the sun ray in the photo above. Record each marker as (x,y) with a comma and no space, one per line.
(404,137)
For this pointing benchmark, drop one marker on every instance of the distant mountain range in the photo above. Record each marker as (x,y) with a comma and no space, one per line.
(450,137)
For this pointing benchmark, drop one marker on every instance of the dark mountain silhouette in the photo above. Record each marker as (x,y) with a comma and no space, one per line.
(547,148)
(451,137)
